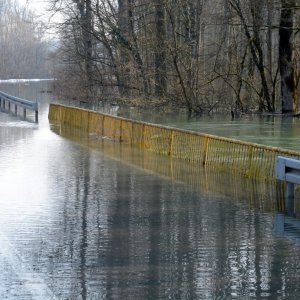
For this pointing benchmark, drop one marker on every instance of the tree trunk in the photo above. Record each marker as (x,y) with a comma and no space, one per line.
(88,48)
(85,21)
(123,52)
(287,72)
(134,48)
(255,43)
(160,52)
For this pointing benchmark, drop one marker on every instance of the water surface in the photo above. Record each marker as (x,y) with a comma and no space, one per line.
(274,131)
(86,218)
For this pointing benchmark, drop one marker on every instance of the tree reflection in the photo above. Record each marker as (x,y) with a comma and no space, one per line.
(151,237)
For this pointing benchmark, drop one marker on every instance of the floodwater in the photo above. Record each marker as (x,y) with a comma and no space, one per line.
(86,218)
(269,130)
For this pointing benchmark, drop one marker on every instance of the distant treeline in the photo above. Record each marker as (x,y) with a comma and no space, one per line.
(23,52)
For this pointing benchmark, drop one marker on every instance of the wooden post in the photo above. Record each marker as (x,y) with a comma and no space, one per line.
(24,113)
(9,106)
(36,116)
(16,109)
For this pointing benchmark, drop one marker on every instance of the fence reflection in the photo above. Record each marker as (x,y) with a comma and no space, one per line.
(263,195)
(238,157)
(140,235)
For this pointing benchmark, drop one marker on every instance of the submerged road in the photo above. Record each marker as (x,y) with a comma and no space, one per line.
(78,221)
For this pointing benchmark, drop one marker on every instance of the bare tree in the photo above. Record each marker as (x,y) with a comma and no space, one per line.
(23,50)
(199,54)
(289,88)
(160,49)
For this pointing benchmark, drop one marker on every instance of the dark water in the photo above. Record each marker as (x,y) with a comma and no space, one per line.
(90,219)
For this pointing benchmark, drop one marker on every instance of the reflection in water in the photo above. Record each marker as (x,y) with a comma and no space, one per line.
(83,218)
(254,193)
(288,227)
(167,239)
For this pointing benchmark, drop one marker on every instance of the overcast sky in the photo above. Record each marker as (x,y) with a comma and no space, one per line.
(36,5)
(39,7)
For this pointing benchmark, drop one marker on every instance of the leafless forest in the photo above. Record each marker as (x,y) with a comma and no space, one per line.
(202,55)
(23,52)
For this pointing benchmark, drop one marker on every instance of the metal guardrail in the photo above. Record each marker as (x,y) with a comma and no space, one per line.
(25,104)
(288,170)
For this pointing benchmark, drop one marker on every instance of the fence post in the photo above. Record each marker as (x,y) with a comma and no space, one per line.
(142,142)
(131,135)
(36,116)
(60,114)
(249,162)
(102,129)
(171,143)
(120,131)
(204,159)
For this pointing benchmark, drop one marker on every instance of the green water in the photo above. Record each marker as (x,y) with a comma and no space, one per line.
(274,131)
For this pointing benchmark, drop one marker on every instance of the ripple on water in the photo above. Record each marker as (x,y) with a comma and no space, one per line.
(19,124)
(78,224)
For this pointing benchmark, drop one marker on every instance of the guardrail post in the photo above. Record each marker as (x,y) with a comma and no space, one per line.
(290,190)
(288,170)
(289,199)
(24,112)
(36,114)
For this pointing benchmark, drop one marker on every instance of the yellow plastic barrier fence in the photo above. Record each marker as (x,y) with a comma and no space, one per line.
(252,192)
(244,158)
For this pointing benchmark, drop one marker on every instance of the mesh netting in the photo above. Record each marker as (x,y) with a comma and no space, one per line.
(249,159)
